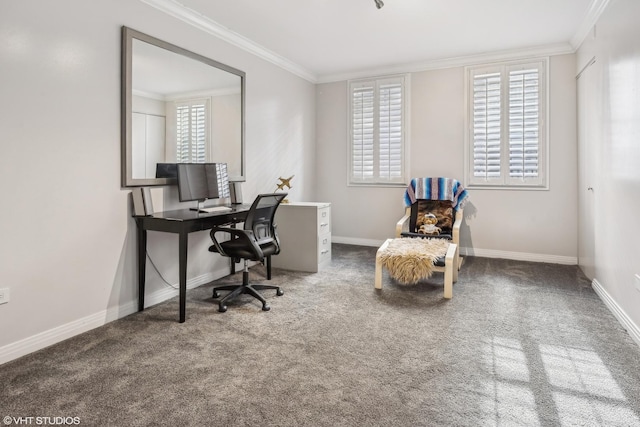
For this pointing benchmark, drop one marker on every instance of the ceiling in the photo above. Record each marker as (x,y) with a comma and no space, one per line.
(323,40)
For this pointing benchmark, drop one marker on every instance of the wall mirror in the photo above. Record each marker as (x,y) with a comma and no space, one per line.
(177,107)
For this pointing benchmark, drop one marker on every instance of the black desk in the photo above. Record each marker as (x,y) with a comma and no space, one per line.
(182,222)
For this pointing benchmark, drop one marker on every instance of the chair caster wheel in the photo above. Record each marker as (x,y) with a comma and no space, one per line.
(222,308)
(279,292)
(215,294)
(265,307)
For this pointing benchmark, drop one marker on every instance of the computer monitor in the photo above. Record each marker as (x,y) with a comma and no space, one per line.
(202,181)
(166,170)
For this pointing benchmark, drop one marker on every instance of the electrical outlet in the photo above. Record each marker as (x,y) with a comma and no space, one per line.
(4,295)
(637,282)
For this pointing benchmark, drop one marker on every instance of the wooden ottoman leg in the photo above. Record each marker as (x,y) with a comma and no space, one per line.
(378,279)
(449,265)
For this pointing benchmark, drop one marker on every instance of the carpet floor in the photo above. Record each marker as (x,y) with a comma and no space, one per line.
(520,344)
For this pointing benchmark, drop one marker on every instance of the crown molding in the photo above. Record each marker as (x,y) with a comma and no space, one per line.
(196,19)
(460,61)
(596,8)
(191,17)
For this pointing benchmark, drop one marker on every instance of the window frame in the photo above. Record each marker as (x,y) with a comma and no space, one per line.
(504,181)
(377,180)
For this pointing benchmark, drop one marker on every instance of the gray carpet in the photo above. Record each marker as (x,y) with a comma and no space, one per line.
(519,344)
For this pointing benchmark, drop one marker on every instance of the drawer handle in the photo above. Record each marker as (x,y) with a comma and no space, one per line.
(324,251)
(324,214)
(324,242)
(323,224)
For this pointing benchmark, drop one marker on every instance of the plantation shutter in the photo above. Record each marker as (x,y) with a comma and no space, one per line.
(524,123)
(390,122)
(362,132)
(191,129)
(506,133)
(486,125)
(377,128)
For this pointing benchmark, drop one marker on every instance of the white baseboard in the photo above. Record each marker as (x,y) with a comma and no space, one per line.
(632,329)
(356,241)
(486,253)
(520,256)
(55,335)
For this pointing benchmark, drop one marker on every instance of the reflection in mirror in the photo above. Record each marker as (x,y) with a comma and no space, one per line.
(178,107)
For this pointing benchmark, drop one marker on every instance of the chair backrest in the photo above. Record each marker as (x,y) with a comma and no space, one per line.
(443,197)
(260,218)
(442,209)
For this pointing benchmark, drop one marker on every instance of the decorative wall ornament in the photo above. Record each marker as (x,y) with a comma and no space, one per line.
(284,182)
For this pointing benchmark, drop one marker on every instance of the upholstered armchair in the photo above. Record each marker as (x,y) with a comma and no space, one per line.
(434,209)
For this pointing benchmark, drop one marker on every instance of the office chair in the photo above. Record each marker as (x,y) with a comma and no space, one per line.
(257,241)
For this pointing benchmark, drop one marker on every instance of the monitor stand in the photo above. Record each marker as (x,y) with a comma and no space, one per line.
(198,207)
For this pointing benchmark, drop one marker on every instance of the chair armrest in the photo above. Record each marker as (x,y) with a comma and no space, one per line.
(245,235)
(402,226)
(455,230)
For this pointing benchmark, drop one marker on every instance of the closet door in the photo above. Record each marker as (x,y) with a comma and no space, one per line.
(139,138)
(155,143)
(588,135)
(148,136)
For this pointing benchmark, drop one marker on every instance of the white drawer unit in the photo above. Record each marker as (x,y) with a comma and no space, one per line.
(304,229)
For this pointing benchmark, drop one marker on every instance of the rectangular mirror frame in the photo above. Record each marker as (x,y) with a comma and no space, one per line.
(128,35)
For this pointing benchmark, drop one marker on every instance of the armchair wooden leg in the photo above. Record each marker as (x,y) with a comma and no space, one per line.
(450,265)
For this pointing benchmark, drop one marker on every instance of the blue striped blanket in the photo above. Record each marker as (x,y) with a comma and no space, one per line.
(436,189)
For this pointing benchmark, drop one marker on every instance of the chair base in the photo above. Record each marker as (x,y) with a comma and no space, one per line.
(244,288)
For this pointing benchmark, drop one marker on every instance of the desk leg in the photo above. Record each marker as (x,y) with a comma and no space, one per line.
(232,259)
(184,239)
(142,264)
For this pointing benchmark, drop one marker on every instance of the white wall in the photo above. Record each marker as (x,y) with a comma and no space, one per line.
(68,239)
(616,180)
(534,225)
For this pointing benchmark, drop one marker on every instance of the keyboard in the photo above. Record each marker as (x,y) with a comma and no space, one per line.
(216,209)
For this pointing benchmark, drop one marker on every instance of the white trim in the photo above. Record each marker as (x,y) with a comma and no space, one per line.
(596,8)
(485,253)
(357,241)
(191,17)
(60,333)
(520,256)
(145,94)
(632,329)
(460,61)
(198,20)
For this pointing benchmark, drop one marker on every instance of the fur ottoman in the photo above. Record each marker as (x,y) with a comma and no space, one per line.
(410,260)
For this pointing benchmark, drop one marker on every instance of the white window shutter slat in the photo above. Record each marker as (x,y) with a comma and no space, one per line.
(390,131)
(486,125)
(362,132)
(524,123)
